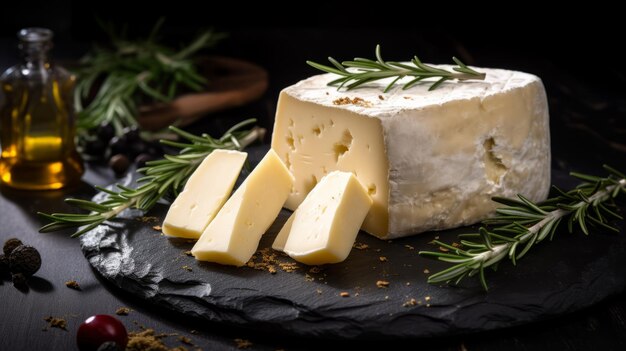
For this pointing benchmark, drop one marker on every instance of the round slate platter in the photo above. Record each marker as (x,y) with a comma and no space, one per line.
(570,273)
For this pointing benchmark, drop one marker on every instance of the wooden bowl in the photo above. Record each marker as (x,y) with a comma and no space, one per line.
(232,83)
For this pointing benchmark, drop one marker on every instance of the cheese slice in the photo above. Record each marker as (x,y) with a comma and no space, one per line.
(430,160)
(204,194)
(323,229)
(234,234)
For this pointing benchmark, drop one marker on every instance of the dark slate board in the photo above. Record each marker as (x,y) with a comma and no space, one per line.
(566,275)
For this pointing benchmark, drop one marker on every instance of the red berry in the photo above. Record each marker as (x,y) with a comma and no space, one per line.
(98,329)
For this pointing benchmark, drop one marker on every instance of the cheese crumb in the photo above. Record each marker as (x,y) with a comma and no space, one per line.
(269,262)
(382,283)
(411,302)
(243,343)
(185,340)
(382,259)
(54,322)
(72,284)
(360,246)
(355,101)
(148,219)
(288,266)
(315,270)
(122,311)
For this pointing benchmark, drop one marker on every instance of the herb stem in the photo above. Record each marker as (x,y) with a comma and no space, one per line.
(603,195)
(113,82)
(162,177)
(523,223)
(362,71)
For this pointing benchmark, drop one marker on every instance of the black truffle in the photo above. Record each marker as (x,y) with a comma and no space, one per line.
(11,245)
(25,259)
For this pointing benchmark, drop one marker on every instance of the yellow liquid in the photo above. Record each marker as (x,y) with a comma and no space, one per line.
(37,136)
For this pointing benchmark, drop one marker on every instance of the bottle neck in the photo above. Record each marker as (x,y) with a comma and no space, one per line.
(35,54)
(34,46)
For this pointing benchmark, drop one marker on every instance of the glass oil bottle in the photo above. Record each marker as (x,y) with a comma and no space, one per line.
(37,122)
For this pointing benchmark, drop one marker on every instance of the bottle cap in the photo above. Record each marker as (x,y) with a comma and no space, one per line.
(34,35)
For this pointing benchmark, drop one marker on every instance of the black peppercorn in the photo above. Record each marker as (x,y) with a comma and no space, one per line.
(118,145)
(105,132)
(10,245)
(20,281)
(25,259)
(119,164)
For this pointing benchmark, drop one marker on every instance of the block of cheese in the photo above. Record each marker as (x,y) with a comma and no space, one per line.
(204,194)
(430,160)
(323,228)
(234,234)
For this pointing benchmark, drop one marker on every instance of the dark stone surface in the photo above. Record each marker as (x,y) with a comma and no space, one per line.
(569,274)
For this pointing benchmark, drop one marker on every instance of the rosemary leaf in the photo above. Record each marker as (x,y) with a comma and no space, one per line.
(366,71)
(521,222)
(165,176)
(118,79)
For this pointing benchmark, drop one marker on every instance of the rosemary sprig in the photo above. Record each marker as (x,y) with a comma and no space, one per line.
(161,177)
(520,224)
(366,70)
(133,72)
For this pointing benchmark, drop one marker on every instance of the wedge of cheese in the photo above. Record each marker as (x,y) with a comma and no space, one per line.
(430,160)
(234,234)
(204,194)
(324,227)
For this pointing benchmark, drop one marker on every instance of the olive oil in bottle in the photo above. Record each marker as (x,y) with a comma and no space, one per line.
(37,123)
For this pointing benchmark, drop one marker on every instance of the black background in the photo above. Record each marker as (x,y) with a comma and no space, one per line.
(575,50)
(583,41)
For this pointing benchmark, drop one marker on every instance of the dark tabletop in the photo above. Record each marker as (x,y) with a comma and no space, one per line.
(588,129)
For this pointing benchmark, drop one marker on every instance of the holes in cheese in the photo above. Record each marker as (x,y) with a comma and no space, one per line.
(204,194)
(324,227)
(494,168)
(234,234)
(343,146)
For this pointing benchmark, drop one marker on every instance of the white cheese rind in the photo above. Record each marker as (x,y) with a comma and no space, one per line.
(431,159)
(324,227)
(204,194)
(234,234)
